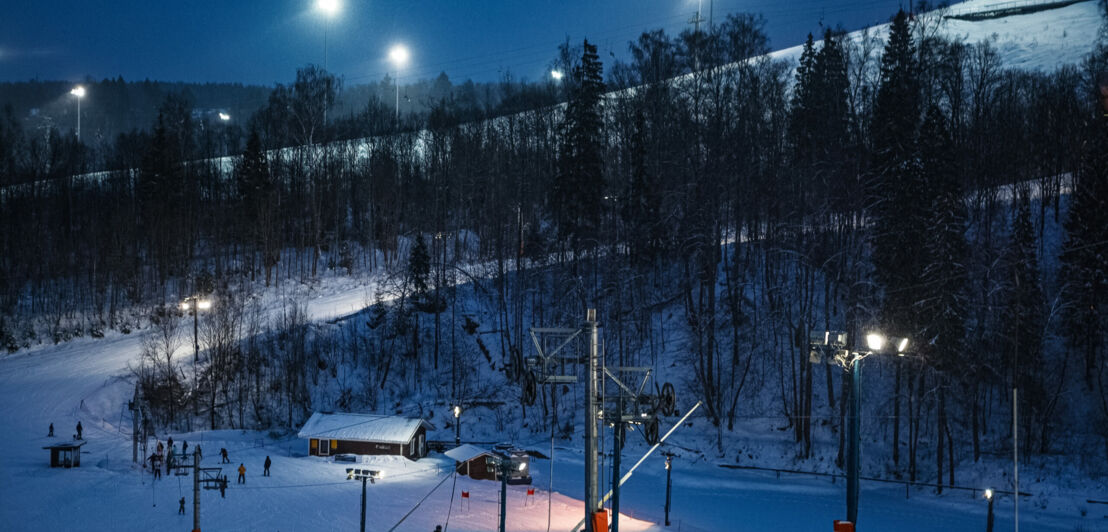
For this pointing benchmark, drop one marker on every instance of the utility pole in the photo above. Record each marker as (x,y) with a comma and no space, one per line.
(591,413)
(196,490)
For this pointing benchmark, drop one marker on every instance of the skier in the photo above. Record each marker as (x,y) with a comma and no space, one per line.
(160,447)
(242,474)
(51,435)
(223,453)
(157,470)
(267,464)
(185,448)
(79,430)
(169,442)
(181,508)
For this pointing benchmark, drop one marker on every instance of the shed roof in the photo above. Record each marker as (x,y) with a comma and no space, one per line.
(466,452)
(66,445)
(362,427)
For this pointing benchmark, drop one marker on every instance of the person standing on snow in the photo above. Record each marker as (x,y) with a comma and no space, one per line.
(185,448)
(242,474)
(223,487)
(181,509)
(223,453)
(79,430)
(51,435)
(268,462)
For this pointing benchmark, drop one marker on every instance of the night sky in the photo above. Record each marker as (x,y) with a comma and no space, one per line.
(265,41)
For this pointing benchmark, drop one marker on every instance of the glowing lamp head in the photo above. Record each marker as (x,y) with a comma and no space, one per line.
(902,345)
(78,91)
(399,55)
(224,117)
(457,410)
(989,494)
(203,304)
(875,341)
(329,7)
(557,75)
(522,466)
(185,305)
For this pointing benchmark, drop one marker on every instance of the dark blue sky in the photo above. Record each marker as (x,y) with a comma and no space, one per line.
(264,41)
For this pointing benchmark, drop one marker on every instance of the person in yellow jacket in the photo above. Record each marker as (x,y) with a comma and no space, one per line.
(242,474)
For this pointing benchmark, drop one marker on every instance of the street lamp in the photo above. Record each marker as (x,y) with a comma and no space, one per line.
(192,305)
(457,425)
(363,475)
(557,75)
(329,9)
(399,57)
(989,519)
(834,343)
(79,92)
(669,470)
(505,468)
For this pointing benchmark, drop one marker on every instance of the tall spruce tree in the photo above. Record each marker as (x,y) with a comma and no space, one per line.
(1084,257)
(898,196)
(579,186)
(943,304)
(1024,312)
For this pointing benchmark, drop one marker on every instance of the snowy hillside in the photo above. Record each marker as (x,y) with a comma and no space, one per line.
(751,476)
(1041,41)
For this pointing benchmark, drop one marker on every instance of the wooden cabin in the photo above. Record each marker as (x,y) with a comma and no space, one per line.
(481,464)
(474,462)
(329,434)
(66,454)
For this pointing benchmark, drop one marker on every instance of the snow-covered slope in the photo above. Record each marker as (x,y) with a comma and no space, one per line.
(1038,41)
(87,380)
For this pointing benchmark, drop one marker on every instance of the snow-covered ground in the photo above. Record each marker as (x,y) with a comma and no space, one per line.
(86,380)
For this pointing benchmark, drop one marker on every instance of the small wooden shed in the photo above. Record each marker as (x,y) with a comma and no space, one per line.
(343,433)
(67,454)
(474,462)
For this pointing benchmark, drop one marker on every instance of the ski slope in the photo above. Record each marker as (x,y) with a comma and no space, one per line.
(87,380)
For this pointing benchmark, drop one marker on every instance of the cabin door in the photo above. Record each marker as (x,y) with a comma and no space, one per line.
(324,447)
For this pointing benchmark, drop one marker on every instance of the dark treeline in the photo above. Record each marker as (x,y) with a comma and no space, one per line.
(908,184)
(115,107)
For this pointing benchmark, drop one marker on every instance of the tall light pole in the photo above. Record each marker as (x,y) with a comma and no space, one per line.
(669,483)
(457,425)
(329,9)
(363,475)
(193,304)
(504,467)
(79,92)
(834,343)
(399,57)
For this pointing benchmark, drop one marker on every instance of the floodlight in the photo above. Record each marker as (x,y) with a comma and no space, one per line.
(330,7)
(875,341)
(398,55)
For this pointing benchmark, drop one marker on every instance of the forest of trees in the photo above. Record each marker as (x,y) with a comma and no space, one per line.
(907,183)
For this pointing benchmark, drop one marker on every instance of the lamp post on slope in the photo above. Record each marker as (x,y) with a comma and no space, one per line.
(399,57)
(834,344)
(363,475)
(193,305)
(79,92)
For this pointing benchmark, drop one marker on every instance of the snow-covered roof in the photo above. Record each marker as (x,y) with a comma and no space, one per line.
(362,427)
(466,452)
